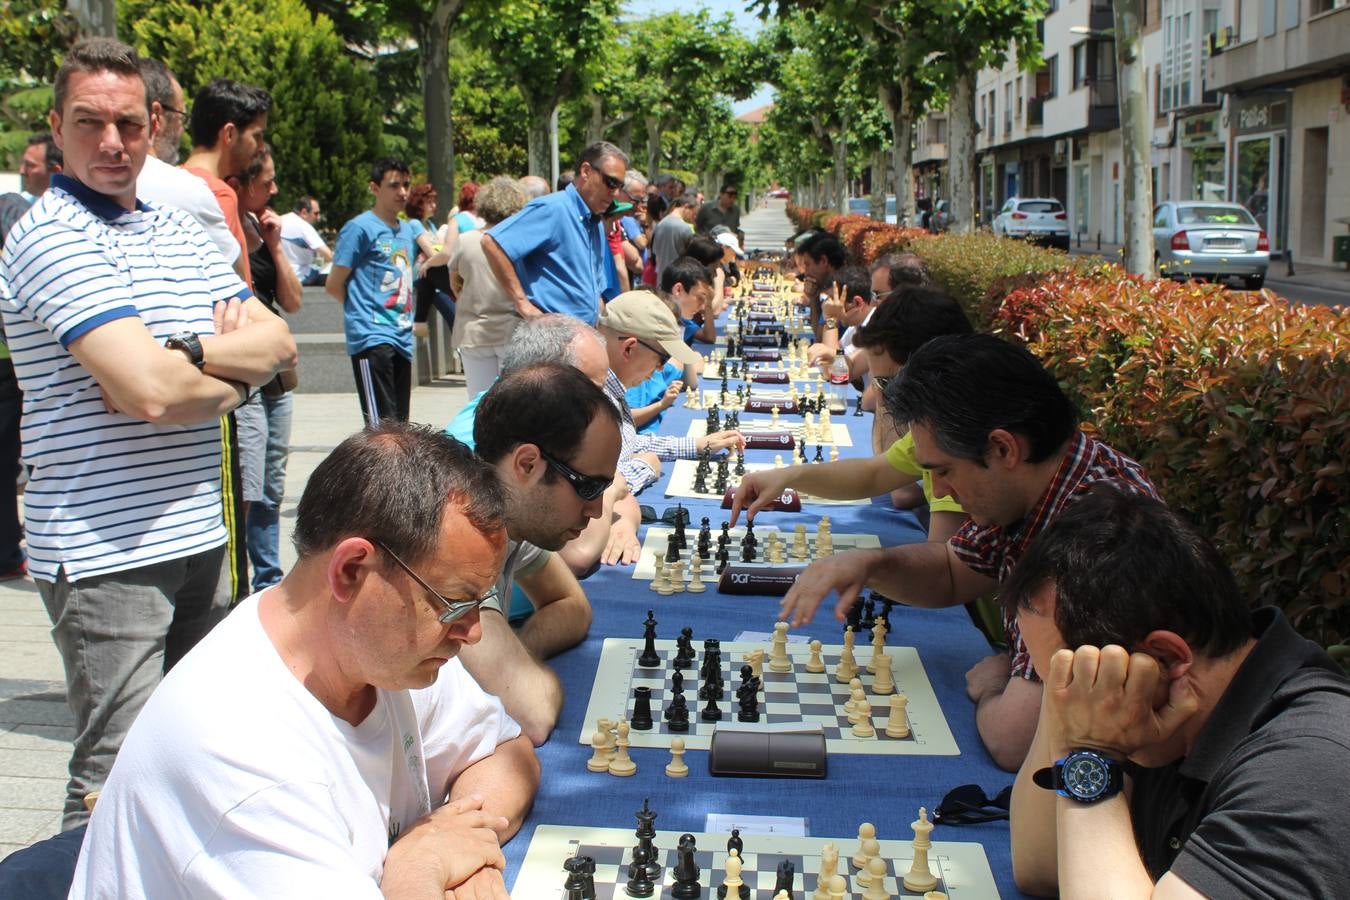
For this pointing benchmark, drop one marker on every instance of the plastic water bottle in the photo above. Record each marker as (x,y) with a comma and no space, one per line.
(839,383)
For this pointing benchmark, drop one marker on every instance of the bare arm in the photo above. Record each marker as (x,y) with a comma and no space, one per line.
(336,283)
(505,272)
(503,666)
(255,351)
(1006,711)
(324,252)
(623,546)
(1032,822)
(507,781)
(562,614)
(844,479)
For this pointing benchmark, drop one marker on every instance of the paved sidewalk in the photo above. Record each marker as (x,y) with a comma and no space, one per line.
(35,725)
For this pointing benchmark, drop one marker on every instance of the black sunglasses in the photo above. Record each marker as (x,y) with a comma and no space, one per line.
(664,356)
(967,805)
(610,181)
(588,487)
(672,516)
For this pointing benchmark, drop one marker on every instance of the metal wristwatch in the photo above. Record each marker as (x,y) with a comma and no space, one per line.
(190,344)
(1084,775)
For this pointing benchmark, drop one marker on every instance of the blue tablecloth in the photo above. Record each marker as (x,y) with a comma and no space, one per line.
(886,791)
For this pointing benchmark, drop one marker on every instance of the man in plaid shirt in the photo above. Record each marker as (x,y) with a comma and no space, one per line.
(998,434)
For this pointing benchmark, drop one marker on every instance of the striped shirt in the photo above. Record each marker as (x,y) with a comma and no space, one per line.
(108,492)
(993,550)
(636,472)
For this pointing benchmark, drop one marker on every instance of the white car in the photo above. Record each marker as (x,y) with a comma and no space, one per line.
(1200,239)
(1039,219)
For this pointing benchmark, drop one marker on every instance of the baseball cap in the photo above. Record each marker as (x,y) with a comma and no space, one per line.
(727,239)
(643,315)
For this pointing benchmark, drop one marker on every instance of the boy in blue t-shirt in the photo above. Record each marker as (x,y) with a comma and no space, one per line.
(372,278)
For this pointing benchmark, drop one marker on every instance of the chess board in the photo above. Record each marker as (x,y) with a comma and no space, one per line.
(657,539)
(681,483)
(789,697)
(962,869)
(712,376)
(795,424)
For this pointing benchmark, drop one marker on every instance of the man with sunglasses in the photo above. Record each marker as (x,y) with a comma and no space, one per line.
(553,438)
(324,740)
(641,335)
(1188,745)
(725,210)
(553,255)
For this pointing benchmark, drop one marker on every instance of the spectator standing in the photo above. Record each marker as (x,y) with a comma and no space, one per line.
(302,243)
(485,316)
(276,285)
(673,233)
(372,278)
(466,217)
(552,256)
(131,337)
(432,287)
(725,210)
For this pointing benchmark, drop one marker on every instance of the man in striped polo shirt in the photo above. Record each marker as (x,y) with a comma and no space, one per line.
(998,435)
(130,336)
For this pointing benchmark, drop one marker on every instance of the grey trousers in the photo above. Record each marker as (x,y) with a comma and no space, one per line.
(118,634)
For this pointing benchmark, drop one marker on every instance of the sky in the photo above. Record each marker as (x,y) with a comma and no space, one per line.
(748,23)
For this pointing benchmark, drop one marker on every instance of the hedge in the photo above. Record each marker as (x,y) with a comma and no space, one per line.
(1238,404)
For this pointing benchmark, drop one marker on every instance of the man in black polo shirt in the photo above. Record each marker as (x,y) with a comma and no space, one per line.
(1187,747)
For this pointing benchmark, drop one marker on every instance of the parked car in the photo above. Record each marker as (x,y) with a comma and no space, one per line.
(1200,239)
(780,193)
(862,206)
(1039,219)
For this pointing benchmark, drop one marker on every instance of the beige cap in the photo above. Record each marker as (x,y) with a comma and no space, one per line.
(643,315)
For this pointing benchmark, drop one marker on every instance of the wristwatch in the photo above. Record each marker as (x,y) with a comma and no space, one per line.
(189,343)
(1084,775)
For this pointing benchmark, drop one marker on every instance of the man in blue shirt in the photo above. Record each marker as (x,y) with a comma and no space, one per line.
(552,256)
(372,278)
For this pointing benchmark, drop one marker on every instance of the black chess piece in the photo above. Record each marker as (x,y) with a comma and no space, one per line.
(684,650)
(740,462)
(735,843)
(887,604)
(725,537)
(580,884)
(750,534)
(854,619)
(711,712)
(747,696)
(748,553)
(639,885)
(787,874)
(686,871)
(721,368)
(649,658)
(720,483)
(680,540)
(700,482)
(857,407)
(642,709)
(677,714)
(704,539)
(818,457)
(723,560)
(646,831)
(672,548)
(869,615)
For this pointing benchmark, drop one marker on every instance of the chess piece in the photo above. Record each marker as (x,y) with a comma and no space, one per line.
(696,585)
(677,584)
(639,885)
(920,877)
(866,832)
(711,711)
(876,888)
(580,884)
(829,864)
(677,767)
(815,665)
(838,887)
(684,649)
(756,660)
(735,843)
(649,658)
(599,761)
(642,709)
(855,695)
(747,696)
(773,417)
(622,764)
(604,730)
(663,585)
(834,454)
(785,875)
(779,661)
(878,646)
(659,572)
(897,723)
(646,832)
(732,886)
(817,457)
(863,728)
(686,871)
(677,714)
(884,683)
(847,668)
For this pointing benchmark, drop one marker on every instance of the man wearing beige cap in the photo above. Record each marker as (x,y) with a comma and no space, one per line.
(641,333)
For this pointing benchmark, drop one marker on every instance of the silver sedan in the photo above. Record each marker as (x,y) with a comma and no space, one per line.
(1198,239)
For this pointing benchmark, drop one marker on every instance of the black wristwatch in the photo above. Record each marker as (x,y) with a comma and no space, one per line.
(1084,775)
(189,342)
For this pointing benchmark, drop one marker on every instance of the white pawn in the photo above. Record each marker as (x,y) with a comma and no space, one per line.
(799,548)
(773,417)
(834,453)
(838,888)
(778,460)
(663,581)
(866,832)
(884,683)
(815,665)
(677,768)
(897,723)
(696,585)
(876,872)
(863,728)
(659,572)
(855,694)
(622,764)
(781,895)
(599,761)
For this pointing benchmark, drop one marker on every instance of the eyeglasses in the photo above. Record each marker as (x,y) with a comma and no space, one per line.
(610,181)
(179,112)
(587,487)
(967,805)
(663,355)
(454,609)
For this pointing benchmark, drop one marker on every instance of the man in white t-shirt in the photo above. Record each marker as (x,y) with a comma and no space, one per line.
(324,740)
(301,243)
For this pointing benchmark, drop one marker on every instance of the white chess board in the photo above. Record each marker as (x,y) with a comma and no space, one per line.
(962,868)
(657,539)
(681,482)
(788,697)
(839,435)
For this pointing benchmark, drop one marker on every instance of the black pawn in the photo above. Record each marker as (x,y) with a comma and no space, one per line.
(639,885)
(857,407)
(740,462)
(649,658)
(725,537)
(723,560)
(817,457)
(711,712)
(735,843)
(642,709)
(580,884)
(677,715)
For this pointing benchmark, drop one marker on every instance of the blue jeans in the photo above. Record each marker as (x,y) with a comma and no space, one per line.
(263,525)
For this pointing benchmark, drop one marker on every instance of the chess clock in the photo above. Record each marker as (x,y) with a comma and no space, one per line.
(1084,775)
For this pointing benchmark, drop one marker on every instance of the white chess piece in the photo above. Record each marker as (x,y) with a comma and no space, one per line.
(866,832)
(920,877)
(677,768)
(850,707)
(779,661)
(622,764)
(756,660)
(664,587)
(878,645)
(773,417)
(815,665)
(778,461)
(864,728)
(829,864)
(732,883)
(658,572)
(876,871)
(847,667)
(696,585)
(834,453)
(800,550)
(884,683)
(599,761)
(838,888)
(897,723)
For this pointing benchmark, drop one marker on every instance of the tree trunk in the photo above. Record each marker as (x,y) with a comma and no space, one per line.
(653,124)
(626,138)
(898,102)
(1132,91)
(595,129)
(879,185)
(433,35)
(961,153)
(840,142)
(97,18)
(537,139)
